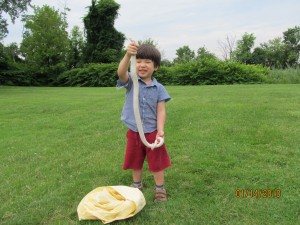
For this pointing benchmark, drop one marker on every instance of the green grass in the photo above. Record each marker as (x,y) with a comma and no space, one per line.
(58,144)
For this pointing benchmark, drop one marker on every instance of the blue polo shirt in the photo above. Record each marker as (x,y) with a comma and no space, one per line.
(149,96)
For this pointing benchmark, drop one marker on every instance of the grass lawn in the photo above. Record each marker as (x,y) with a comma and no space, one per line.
(58,144)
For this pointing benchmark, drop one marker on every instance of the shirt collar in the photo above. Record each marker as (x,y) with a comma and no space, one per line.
(153,83)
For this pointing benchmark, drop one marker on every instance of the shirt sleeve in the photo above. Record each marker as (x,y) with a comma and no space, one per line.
(126,85)
(120,84)
(163,95)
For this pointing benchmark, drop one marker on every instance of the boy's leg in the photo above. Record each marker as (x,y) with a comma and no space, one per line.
(137,175)
(137,179)
(159,178)
(160,191)
(134,157)
(158,161)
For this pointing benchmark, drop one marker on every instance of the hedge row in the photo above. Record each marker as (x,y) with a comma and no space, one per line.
(23,78)
(93,75)
(211,72)
(205,71)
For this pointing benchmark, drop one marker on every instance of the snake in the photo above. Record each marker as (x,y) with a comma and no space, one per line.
(136,109)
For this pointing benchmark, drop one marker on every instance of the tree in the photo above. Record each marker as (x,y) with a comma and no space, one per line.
(13,52)
(75,53)
(203,53)
(243,50)
(166,62)
(148,41)
(9,56)
(45,42)
(4,65)
(260,56)
(104,42)
(291,38)
(184,55)
(227,47)
(270,54)
(13,8)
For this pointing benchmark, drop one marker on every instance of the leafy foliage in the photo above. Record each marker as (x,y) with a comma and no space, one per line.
(271,54)
(291,39)
(75,53)
(184,55)
(13,8)
(104,42)
(244,46)
(200,72)
(148,41)
(46,51)
(9,57)
(93,75)
(203,53)
(277,53)
(3,58)
(206,71)
(24,77)
(209,71)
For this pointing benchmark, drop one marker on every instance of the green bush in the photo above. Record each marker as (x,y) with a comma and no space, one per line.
(21,74)
(238,73)
(206,71)
(93,75)
(210,71)
(23,78)
(15,78)
(165,76)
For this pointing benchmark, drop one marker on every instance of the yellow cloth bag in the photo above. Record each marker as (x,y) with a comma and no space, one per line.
(111,203)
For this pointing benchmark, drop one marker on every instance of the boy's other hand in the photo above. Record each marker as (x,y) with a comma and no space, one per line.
(160,134)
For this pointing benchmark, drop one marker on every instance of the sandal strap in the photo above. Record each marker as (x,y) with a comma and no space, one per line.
(160,195)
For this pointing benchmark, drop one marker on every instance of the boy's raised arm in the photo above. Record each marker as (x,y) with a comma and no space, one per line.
(124,64)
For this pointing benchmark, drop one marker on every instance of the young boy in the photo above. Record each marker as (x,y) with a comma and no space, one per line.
(152,99)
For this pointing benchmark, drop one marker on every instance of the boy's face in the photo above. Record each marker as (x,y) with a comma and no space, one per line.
(145,68)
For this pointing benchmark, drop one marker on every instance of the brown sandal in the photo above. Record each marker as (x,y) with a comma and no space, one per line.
(160,196)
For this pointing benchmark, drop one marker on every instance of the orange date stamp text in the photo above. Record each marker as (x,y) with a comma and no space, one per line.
(258,193)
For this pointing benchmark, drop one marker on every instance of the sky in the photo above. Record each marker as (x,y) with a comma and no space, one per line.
(173,24)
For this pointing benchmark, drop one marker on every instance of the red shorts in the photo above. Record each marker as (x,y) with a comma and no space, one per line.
(158,159)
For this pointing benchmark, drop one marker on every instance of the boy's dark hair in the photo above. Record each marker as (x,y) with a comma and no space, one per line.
(146,51)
